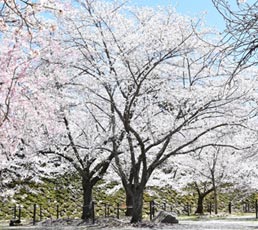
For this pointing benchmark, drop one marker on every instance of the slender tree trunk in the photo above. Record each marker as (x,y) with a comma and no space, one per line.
(199,209)
(215,200)
(87,200)
(137,206)
(215,192)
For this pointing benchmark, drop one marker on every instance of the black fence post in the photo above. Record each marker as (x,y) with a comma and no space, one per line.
(153,208)
(164,206)
(40,213)
(150,210)
(105,210)
(19,213)
(108,210)
(188,209)
(57,211)
(117,210)
(14,212)
(210,208)
(34,213)
(256,209)
(230,208)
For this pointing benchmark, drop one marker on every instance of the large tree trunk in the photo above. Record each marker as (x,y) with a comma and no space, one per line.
(199,209)
(201,196)
(137,206)
(129,204)
(87,200)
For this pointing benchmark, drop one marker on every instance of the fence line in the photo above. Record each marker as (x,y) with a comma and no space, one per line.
(117,210)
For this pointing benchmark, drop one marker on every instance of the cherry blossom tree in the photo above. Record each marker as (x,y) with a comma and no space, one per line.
(15,63)
(19,21)
(208,170)
(213,169)
(83,146)
(19,56)
(65,127)
(162,84)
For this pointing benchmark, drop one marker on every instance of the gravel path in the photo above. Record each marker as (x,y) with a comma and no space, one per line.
(217,224)
(183,225)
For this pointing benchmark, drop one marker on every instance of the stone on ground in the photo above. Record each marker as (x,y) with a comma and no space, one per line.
(166,218)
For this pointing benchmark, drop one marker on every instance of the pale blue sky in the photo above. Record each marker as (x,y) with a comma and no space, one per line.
(191,8)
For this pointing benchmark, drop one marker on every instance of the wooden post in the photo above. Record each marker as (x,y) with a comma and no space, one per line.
(164,206)
(19,213)
(14,212)
(105,210)
(34,213)
(57,211)
(229,208)
(153,208)
(117,210)
(108,210)
(188,209)
(150,208)
(40,213)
